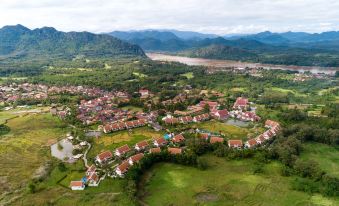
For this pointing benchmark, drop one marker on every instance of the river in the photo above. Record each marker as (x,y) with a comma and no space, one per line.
(237,64)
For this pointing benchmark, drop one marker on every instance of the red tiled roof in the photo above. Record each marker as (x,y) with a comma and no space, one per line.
(216,139)
(204,135)
(123,149)
(76,184)
(252,142)
(155,150)
(105,155)
(271,123)
(137,157)
(241,101)
(233,143)
(161,141)
(172,150)
(142,144)
(123,167)
(178,138)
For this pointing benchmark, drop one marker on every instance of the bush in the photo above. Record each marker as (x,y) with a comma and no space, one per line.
(202,163)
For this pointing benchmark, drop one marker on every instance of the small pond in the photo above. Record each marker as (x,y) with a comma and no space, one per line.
(64,152)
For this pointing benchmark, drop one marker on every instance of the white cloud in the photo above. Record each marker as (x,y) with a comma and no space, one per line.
(211,16)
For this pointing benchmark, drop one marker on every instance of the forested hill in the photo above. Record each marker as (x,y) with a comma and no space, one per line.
(19,42)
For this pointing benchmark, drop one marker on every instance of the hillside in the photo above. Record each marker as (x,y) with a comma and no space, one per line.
(221,52)
(45,43)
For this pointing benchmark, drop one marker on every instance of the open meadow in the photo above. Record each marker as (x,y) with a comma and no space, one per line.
(25,149)
(223,183)
(326,156)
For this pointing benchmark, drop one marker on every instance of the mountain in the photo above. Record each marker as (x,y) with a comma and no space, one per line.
(265,37)
(289,38)
(191,35)
(147,34)
(221,52)
(163,35)
(21,42)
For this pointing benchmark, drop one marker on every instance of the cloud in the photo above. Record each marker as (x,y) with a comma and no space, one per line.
(210,16)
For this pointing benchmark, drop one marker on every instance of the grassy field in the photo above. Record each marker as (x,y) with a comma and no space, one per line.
(132,108)
(188,75)
(326,156)
(223,183)
(26,148)
(117,139)
(230,131)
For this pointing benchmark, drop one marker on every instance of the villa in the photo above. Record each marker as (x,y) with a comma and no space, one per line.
(77,185)
(122,150)
(235,144)
(104,157)
(141,145)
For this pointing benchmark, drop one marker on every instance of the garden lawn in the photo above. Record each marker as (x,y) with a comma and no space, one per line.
(230,131)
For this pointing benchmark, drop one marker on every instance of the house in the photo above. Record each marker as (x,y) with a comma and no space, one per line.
(122,168)
(268,134)
(103,157)
(93,179)
(275,130)
(178,138)
(260,139)
(241,103)
(107,128)
(159,142)
(204,136)
(211,105)
(186,119)
(77,185)
(250,143)
(271,123)
(216,139)
(174,151)
(144,93)
(201,117)
(155,150)
(135,158)
(235,143)
(171,120)
(219,114)
(90,170)
(122,150)
(141,145)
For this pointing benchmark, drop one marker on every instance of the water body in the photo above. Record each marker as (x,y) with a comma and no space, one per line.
(65,154)
(238,64)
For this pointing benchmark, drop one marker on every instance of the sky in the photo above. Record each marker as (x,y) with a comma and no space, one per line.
(206,16)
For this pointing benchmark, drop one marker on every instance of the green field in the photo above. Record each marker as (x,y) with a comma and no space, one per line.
(223,183)
(188,75)
(230,131)
(25,148)
(326,156)
(117,139)
(132,108)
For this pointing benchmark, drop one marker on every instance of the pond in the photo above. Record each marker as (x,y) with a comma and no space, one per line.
(64,153)
(237,123)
